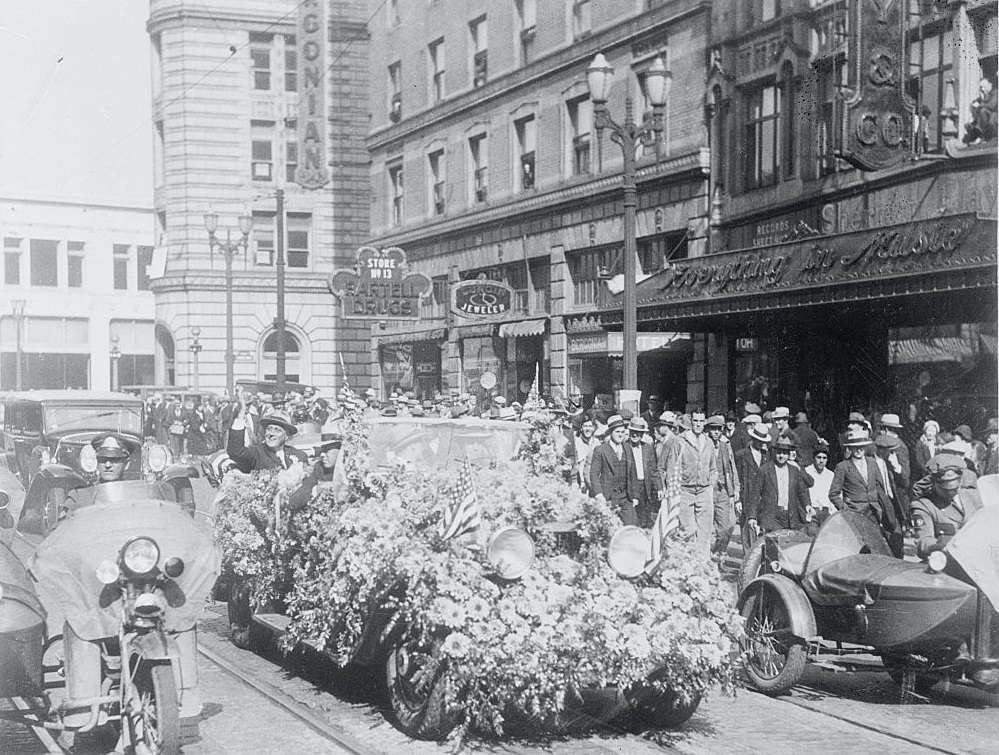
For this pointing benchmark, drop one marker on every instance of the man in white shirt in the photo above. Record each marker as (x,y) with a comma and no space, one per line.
(822,477)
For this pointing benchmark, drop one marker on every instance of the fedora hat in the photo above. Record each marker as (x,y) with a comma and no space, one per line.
(963,432)
(281,419)
(887,442)
(784,444)
(857,439)
(328,443)
(751,408)
(615,420)
(800,418)
(638,425)
(759,432)
(891,420)
(781,412)
(752,419)
(857,417)
(667,418)
(716,420)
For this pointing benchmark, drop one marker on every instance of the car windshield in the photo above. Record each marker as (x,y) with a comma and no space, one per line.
(65,418)
(436,444)
(846,533)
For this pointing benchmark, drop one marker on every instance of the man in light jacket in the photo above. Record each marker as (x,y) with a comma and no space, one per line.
(692,461)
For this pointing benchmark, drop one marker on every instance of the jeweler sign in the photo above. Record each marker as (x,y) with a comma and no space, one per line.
(380,287)
(481,299)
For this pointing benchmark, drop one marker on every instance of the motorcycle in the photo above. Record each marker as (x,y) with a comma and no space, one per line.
(125,580)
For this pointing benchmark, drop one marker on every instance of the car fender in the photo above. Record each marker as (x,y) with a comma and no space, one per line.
(153,647)
(800,608)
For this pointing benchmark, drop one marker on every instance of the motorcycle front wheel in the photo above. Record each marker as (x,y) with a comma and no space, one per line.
(154,713)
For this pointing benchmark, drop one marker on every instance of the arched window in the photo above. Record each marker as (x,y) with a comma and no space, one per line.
(292,358)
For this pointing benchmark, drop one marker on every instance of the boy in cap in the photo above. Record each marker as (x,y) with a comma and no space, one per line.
(727,495)
(945,509)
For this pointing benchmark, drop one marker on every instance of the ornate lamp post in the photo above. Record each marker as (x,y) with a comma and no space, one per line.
(18,306)
(628,135)
(228,248)
(195,348)
(115,356)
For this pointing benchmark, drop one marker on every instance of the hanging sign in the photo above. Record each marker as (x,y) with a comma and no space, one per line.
(481,299)
(311,172)
(380,287)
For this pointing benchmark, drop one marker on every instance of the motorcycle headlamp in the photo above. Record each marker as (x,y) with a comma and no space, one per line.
(937,561)
(88,459)
(511,552)
(141,555)
(629,551)
(159,458)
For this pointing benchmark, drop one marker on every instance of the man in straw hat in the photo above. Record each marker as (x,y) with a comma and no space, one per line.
(747,464)
(946,508)
(273,453)
(780,500)
(609,471)
(890,425)
(645,484)
(857,483)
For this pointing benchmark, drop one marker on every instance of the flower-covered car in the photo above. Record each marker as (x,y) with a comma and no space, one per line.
(522,620)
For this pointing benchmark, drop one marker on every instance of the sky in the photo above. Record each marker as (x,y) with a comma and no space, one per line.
(75,110)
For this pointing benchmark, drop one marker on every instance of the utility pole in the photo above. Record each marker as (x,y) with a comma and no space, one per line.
(279,320)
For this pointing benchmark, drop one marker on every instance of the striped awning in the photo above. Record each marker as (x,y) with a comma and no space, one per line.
(393,339)
(523,328)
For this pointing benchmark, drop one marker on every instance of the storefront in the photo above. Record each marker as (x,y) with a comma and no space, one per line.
(412,362)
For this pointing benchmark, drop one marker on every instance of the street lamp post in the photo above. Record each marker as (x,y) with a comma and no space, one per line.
(229,248)
(628,135)
(115,356)
(195,348)
(18,305)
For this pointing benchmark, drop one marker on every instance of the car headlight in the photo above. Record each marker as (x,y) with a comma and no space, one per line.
(141,555)
(937,561)
(88,458)
(158,458)
(628,552)
(511,552)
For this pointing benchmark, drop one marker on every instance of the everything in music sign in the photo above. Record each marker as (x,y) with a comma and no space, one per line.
(380,286)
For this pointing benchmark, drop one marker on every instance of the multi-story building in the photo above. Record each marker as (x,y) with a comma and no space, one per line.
(255,100)
(485,164)
(75,289)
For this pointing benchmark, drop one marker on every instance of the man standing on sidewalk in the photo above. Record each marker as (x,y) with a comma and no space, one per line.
(726,490)
(694,454)
(747,463)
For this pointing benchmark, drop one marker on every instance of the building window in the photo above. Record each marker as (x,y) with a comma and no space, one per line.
(763,137)
(144,259)
(263,238)
(930,55)
(299,229)
(580,124)
(395,194)
(290,64)
(581,23)
(479,160)
(290,161)
(12,260)
(260,60)
(526,132)
(585,269)
(527,12)
(395,91)
(435,161)
(44,262)
(262,150)
(761,11)
(74,264)
(121,267)
(831,75)
(292,358)
(436,49)
(479,47)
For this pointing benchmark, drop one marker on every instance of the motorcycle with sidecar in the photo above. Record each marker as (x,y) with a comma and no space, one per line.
(844,592)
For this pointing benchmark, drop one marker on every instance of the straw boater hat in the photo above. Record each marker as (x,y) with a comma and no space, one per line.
(857,439)
(759,432)
(615,420)
(281,419)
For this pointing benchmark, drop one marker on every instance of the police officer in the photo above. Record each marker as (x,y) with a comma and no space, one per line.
(944,510)
(323,471)
(113,454)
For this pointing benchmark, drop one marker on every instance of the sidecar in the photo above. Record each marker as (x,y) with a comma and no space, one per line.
(932,621)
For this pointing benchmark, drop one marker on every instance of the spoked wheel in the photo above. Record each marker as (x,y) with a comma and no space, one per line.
(153,712)
(416,679)
(666,710)
(904,671)
(775,657)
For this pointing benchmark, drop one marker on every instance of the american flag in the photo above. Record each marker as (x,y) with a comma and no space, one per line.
(461,506)
(667,520)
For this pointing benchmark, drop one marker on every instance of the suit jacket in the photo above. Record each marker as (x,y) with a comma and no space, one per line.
(608,474)
(762,506)
(748,470)
(653,481)
(849,490)
(251,458)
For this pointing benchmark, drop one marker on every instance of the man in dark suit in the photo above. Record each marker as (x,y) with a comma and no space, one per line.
(857,483)
(780,499)
(645,483)
(890,426)
(609,471)
(747,464)
(273,453)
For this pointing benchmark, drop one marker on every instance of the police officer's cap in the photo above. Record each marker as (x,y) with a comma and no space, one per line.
(946,469)
(112,446)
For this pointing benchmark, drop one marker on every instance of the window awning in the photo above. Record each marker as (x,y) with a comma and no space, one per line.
(393,339)
(522,329)
(481,330)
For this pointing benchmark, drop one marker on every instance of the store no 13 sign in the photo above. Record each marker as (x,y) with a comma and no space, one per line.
(380,287)
(481,298)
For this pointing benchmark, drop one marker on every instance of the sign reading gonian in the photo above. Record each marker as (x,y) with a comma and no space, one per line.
(481,298)
(380,287)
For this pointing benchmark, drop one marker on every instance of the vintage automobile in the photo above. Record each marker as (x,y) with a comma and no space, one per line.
(44,427)
(844,592)
(520,558)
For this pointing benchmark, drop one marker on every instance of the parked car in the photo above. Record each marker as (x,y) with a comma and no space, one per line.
(43,427)
(928,621)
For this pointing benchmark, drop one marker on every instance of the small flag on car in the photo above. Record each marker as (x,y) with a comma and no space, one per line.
(461,506)
(667,520)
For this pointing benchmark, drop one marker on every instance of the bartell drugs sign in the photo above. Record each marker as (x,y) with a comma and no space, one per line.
(380,287)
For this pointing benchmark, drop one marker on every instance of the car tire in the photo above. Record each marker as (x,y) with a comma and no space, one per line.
(665,710)
(240,613)
(898,665)
(416,699)
(775,657)
(752,565)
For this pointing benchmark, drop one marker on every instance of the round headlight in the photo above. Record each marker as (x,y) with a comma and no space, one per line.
(174,567)
(937,561)
(628,551)
(141,555)
(88,458)
(511,552)
(159,458)
(107,572)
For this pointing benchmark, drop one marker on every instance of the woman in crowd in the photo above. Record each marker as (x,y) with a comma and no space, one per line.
(926,447)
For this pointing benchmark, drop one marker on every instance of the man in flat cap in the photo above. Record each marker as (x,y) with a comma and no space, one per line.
(941,513)
(727,495)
